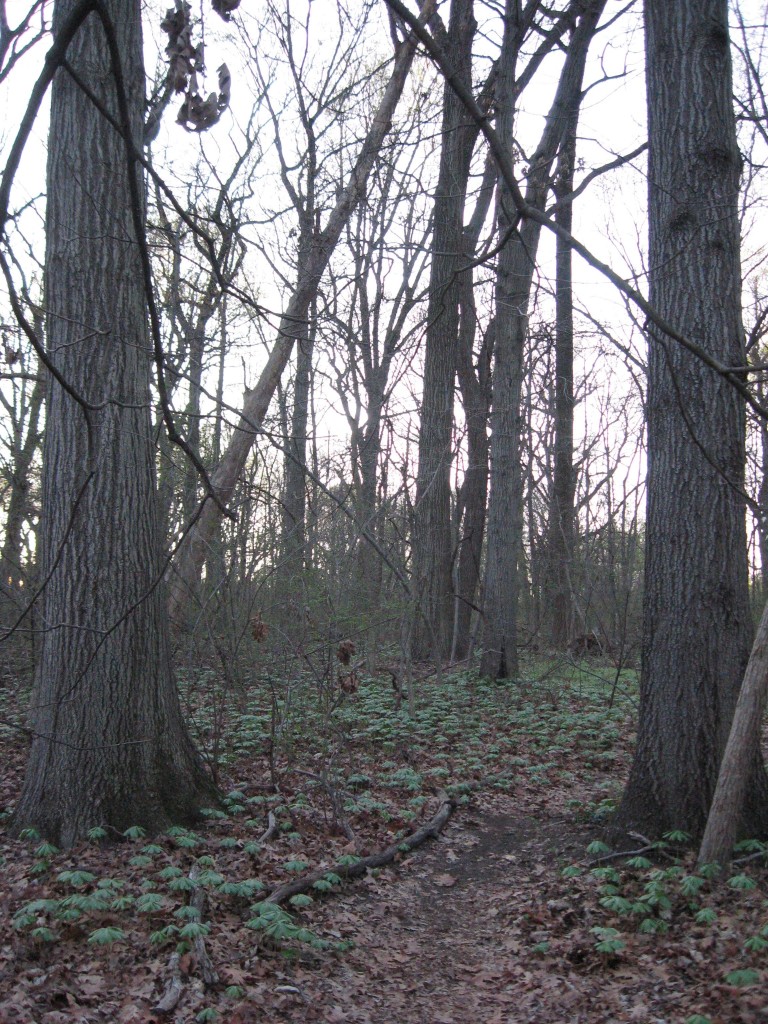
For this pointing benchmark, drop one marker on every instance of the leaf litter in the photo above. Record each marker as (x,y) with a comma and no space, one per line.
(478,923)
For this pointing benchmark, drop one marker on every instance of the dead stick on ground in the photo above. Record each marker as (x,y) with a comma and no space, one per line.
(198,900)
(429,830)
(173,989)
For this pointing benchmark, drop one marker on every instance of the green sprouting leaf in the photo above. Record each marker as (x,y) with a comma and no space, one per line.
(182,884)
(152,850)
(332,877)
(170,872)
(69,915)
(46,849)
(141,860)
(617,904)
(653,926)
(205,861)
(322,885)
(234,991)
(742,882)
(706,916)
(124,902)
(97,833)
(106,936)
(187,913)
(212,812)
(209,877)
(194,930)
(252,849)
(572,871)
(540,947)
(751,846)
(296,865)
(86,903)
(710,870)
(43,934)
(690,885)
(29,833)
(596,848)
(697,1018)
(186,842)
(608,940)
(677,836)
(756,944)
(135,832)
(229,843)
(640,863)
(207,1015)
(149,903)
(163,935)
(348,860)
(742,978)
(76,878)
(303,900)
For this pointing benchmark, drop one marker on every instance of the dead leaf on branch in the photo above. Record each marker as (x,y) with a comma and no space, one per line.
(259,629)
(349,683)
(197,114)
(345,651)
(225,8)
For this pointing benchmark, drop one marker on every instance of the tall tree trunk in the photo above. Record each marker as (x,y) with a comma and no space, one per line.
(432,540)
(194,550)
(561,514)
(697,626)
(476,398)
(514,277)
(109,744)
(294,539)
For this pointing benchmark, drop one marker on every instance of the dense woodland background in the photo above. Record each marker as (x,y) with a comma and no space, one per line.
(406,355)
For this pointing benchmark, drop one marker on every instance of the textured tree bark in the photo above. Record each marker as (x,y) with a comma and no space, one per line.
(697,624)
(432,540)
(561,513)
(109,747)
(475,387)
(514,277)
(741,753)
(198,541)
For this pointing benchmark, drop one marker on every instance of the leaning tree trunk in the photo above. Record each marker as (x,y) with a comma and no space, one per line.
(109,744)
(697,627)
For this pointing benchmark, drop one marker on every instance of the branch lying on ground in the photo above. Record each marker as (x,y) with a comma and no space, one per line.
(429,830)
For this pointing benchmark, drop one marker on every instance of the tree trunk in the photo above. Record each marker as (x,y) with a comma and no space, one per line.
(294,538)
(432,538)
(561,514)
(109,747)
(697,623)
(742,750)
(514,277)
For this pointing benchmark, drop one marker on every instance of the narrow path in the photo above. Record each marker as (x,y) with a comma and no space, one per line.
(436,942)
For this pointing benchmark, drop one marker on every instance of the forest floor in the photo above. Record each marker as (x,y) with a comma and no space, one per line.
(513,912)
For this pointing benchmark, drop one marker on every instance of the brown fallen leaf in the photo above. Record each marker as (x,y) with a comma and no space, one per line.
(445,881)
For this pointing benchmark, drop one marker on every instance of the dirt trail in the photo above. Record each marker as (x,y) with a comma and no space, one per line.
(433,942)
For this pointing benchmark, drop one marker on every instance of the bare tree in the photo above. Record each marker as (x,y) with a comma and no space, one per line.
(697,622)
(109,744)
